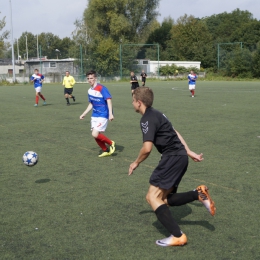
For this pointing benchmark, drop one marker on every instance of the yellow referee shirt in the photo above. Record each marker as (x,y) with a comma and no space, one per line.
(68,82)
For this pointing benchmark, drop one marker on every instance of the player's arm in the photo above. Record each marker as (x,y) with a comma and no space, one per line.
(90,106)
(195,157)
(143,154)
(110,109)
(72,83)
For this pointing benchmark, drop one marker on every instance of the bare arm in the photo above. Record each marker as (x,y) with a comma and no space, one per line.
(195,157)
(110,109)
(90,106)
(143,154)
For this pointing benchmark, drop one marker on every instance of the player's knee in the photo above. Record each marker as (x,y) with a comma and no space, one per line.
(95,133)
(148,198)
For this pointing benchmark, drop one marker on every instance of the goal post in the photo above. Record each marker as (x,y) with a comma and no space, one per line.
(226,43)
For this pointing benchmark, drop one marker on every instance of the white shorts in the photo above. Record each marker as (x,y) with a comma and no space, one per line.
(99,123)
(38,89)
(191,87)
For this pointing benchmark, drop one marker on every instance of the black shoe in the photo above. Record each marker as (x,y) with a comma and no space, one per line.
(74,99)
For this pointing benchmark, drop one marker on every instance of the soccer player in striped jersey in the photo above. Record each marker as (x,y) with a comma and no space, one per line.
(37,80)
(101,105)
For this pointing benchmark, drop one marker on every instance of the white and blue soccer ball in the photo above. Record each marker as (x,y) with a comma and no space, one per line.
(30,158)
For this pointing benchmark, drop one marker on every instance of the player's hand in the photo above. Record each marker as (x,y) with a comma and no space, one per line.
(132,167)
(82,117)
(196,157)
(111,118)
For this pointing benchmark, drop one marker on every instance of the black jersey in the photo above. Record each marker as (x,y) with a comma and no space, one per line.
(134,84)
(143,75)
(159,130)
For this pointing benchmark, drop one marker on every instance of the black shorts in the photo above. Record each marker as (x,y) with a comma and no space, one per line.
(134,86)
(169,171)
(143,79)
(68,91)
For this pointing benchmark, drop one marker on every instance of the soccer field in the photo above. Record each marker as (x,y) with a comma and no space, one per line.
(74,205)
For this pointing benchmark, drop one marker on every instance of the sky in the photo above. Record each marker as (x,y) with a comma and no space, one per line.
(58,16)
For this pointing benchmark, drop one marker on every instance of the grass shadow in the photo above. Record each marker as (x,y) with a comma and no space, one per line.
(178,214)
(42,180)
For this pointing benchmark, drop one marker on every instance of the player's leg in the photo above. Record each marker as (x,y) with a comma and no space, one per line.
(155,197)
(190,89)
(66,95)
(36,98)
(41,95)
(167,175)
(193,91)
(71,96)
(99,126)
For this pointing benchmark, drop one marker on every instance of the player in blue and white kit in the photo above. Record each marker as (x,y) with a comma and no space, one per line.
(192,77)
(101,105)
(37,80)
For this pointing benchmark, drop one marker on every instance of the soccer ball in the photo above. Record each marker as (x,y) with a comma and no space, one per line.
(30,158)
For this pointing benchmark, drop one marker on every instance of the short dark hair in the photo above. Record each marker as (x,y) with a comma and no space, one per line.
(36,69)
(145,95)
(67,71)
(91,72)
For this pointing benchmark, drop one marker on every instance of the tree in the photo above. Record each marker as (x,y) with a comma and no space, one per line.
(3,36)
(48,44)
(191,40)
(111,22)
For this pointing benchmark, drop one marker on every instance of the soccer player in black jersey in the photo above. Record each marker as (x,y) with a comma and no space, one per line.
(158,131)
(143,75)
(133,81)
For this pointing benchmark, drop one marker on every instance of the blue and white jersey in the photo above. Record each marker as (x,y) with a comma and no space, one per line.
(38,80)
(98,97)
(192,79)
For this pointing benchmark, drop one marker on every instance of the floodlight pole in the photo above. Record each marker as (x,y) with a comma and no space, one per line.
(121,69)
(12,41)
(81,61)
(228,43)
(137,44)
(40,48)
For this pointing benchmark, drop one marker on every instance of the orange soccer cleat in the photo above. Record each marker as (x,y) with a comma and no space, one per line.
(172,241)
(205,199)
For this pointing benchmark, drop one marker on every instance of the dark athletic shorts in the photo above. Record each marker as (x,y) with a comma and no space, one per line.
(134,86)
(169,171)
(68,91)
(143,79)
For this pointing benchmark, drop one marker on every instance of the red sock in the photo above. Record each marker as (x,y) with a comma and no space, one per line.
(101,144)
(104,139)
(41,95)
(36,100)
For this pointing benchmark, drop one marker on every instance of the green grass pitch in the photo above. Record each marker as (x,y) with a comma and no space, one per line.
(74,205)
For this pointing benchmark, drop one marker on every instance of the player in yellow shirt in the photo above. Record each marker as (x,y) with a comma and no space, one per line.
(68,83)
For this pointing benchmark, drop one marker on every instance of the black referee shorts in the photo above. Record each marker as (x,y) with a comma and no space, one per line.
(68,91)
(134,86)
(169,171)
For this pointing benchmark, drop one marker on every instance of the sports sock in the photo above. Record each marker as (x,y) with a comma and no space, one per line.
(36,99)
(192,92)
(104,139)
(165,217)
(67,100)
(42,97)
(178,199)
(101,144)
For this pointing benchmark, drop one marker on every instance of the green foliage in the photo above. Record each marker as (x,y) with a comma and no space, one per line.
(109,23)
(48,43)
(173,70)
(3,36)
